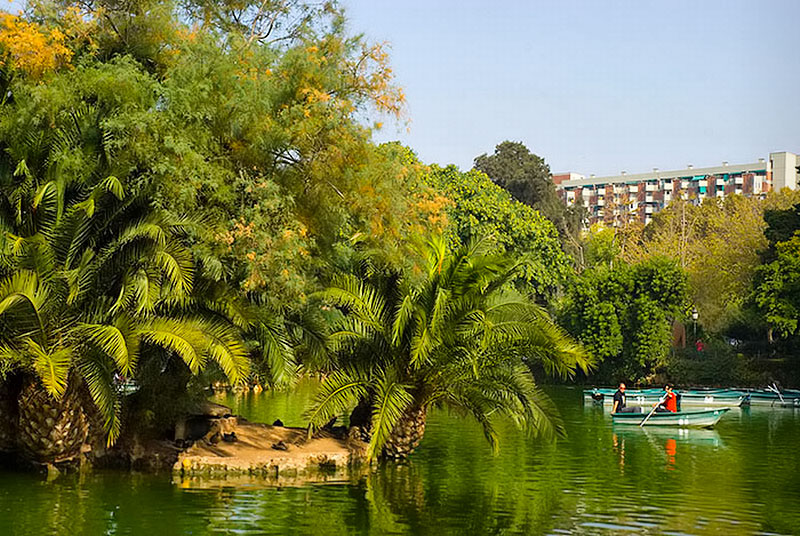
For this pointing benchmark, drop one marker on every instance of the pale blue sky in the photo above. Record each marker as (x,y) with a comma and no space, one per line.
(594,86)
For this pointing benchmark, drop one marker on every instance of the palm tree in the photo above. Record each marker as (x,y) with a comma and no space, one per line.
(460,337)
(91,278)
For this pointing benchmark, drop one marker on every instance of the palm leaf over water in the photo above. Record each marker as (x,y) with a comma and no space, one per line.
(460,337)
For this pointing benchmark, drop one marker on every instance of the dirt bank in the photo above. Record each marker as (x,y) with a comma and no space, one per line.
(277,454)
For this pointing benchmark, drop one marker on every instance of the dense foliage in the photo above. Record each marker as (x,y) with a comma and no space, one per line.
(624,315)
(478,207)
(739,259)
(527,178)
(176,178)
(777,289)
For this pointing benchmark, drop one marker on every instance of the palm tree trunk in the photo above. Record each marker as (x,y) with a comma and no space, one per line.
(406,435)
(50,430)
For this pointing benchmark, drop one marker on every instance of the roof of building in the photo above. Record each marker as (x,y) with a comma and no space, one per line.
(674,174)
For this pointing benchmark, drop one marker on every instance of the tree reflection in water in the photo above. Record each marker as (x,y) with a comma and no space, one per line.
(740,478)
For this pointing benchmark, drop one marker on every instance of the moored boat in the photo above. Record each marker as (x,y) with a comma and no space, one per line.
(648,397)
(763,397)
(697,419)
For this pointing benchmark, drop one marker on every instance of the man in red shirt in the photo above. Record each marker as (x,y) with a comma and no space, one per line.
(670,402)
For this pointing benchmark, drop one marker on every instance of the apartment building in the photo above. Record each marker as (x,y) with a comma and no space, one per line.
(626,197)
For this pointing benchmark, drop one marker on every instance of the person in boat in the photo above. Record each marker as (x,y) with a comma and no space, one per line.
(619,402)
(670,402)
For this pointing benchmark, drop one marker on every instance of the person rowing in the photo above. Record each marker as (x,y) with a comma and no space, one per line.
(669,402)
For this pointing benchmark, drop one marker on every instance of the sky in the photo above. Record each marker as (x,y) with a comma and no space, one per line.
(596,86)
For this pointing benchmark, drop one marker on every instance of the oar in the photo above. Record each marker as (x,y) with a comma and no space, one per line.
(653,410)
(774,389)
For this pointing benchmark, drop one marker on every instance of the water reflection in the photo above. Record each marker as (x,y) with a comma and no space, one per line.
(741,478)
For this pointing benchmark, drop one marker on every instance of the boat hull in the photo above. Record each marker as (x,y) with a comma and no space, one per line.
(691,419)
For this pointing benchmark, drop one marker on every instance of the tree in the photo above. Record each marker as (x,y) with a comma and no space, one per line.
(527,178)
(623,316)
(480,208)
(251,113)
(456,338)
(777,293)
(523,174)
(91,281)
(777,281)
(718,243)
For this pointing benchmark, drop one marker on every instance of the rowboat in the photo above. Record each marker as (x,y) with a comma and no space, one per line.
(788,398)
(706,418)
(762,397)
(713,400)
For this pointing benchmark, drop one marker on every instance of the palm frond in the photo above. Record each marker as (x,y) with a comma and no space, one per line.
(99,380)
(175,337)
(277,352)
(52,368)
(360,298)
(392,400)
(176,264)
(337,393)
(118,342)
(403,316)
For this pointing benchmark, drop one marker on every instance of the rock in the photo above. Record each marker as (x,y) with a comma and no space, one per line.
(210,409)
(280,445)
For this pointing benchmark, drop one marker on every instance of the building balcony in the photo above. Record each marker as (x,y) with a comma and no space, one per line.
(650,187)
(601,202)
(633,188)
(649,199)
(649,209)
(738,180)
(703,183)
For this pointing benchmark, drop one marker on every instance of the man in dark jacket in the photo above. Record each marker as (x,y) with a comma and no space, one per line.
(619,402)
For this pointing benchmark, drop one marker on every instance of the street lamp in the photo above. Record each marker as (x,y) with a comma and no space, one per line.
(694,318)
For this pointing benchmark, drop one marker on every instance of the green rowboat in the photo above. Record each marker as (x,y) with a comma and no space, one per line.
(695,419)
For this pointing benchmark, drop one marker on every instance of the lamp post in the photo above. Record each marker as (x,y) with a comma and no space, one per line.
(694,318)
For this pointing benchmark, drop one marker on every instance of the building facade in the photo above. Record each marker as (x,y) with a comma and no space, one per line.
(628,197)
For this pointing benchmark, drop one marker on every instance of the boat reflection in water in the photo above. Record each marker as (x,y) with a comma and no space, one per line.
(668,441)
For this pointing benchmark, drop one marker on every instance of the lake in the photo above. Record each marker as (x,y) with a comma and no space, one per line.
(741,478)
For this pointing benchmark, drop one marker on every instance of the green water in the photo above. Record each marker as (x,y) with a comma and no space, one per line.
(743,478)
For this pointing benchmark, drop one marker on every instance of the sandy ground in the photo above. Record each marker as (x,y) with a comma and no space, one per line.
(321,458)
